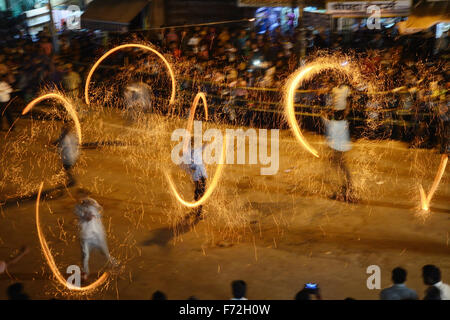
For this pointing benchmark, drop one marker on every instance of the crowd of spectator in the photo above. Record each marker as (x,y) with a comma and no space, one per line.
(431,275)
(242,72)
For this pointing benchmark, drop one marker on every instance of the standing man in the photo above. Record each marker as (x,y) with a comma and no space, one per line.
(92,233)
(5,97)
(338,139)
(69,150)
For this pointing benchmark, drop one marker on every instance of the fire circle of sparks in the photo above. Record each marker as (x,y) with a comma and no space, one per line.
(67,105)
(44,246)
(307,72)
(130,45)
(296,79)
(219,169)
(51,261)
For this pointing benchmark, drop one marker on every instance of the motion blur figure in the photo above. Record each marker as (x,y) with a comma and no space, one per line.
(92,233)
(193,164)
(5,97)
(444,124)
(338,139)
(137,99)
(5,264)
(69,150)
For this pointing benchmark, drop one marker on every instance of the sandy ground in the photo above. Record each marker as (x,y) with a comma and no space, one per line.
(275,232)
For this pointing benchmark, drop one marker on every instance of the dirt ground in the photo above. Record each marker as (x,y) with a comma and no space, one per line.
(275,232)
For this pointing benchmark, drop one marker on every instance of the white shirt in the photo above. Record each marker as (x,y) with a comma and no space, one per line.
(193,163)
(69,150)
(340,95)
(444,289)
(91,230)
(338,135)
(5,90)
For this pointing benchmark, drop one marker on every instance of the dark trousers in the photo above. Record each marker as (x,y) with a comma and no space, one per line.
(338,161)
(5,113)
(70,178)
(200,187)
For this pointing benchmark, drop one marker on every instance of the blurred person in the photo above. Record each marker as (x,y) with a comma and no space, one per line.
(15,292)
(444,124)
(138,98)
(399,291)
(302,295)
(432,293)
(432,277)
(159,295)
(5,97)
(71,81)
(92,232)
(193,43)
(338,139)
(239,290)
(310,289)
(46,46)
(172,36)
(68,147)
(5,264)
(193,164)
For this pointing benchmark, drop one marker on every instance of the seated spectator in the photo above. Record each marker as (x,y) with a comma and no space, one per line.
(399,291)
(158,295)
(432,293)
(239,289)
(15,292)
(432,277)
(303,295)
(307,291)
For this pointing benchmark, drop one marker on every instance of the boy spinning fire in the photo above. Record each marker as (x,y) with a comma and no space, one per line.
(92,233)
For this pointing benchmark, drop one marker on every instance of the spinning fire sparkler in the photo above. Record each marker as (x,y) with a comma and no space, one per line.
(130,45)
(51,261)
(67,105)
(219,169)
(307,72)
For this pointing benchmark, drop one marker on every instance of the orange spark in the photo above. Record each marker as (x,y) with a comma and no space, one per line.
(130,45)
